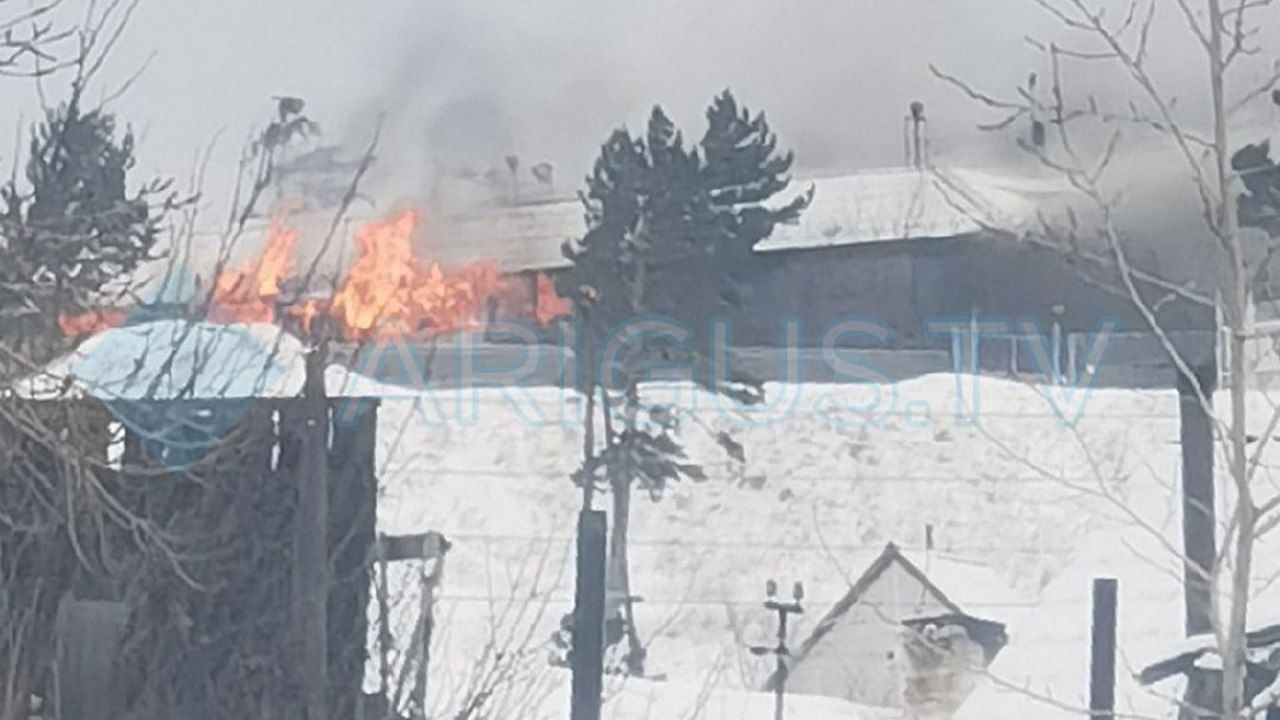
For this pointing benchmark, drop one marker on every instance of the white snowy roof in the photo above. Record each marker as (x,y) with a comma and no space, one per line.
(174,359)
(182,359)
(880,205)
(906,204)
(1044,670)
(965,581)
(524,237)
(871,206)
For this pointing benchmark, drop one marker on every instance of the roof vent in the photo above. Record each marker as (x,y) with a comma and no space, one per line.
(915,142)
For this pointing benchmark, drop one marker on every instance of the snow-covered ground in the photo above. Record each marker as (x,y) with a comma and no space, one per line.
(815,500)
(831,473)
(1137,540)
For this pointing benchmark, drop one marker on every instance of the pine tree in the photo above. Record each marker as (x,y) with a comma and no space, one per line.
(671,232)
(76,227)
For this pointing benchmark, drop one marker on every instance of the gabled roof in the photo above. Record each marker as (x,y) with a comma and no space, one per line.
(890,556)
(887,558)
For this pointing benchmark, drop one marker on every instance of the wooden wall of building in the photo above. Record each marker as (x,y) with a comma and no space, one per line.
(200,628)
(903,285)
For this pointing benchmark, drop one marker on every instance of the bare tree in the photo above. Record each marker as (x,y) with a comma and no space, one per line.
(1118,36)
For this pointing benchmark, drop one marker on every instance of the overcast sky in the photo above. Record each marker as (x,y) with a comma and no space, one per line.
(470,81)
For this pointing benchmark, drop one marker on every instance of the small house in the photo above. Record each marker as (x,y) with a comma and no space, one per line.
(898,640)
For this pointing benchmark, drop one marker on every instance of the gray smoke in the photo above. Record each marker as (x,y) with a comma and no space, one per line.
(466,83)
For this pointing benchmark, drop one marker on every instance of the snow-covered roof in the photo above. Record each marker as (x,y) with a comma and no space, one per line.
(977,582)
(1043,671)
(907,204)
(965,581)
(523,237)
(184,359)
(878,205)
(970,578)
(173,359)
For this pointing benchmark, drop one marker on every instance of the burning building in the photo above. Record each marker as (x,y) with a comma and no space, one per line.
(902,248)
(223,517)
(219,436)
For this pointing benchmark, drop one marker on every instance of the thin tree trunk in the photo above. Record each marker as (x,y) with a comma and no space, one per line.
(587,366)
(621,486)
(621,562)
(1234,293)
(1233,667)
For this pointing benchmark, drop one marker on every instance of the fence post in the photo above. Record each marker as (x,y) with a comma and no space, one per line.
(587,655)
(1102,656)
(310,543)
(1198,523)
(434,547)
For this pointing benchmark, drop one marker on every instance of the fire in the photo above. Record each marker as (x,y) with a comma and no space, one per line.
(93,321)
(549,304)
(248,294)
(306,311)
(391,292)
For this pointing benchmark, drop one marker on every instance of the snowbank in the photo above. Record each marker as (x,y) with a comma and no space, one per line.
(1012,477)
(814,501)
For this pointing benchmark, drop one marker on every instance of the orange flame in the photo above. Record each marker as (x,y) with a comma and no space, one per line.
(391,292)
(306,311)
(248,294)
(93,321)
(549,304)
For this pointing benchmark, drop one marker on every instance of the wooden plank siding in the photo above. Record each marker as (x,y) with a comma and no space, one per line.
(131,644)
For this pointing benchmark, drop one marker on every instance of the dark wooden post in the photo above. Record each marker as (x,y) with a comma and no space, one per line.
(1199,547)
(434,548)
(310,543)
(587,654)
(353,491)
(1102,656)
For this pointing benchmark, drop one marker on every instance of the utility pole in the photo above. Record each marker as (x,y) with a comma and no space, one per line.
(1198,520)
(586,656)
(1102,655)
(310,541)
(780,651)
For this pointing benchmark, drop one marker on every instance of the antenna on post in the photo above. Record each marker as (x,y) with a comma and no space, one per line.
(780,651)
